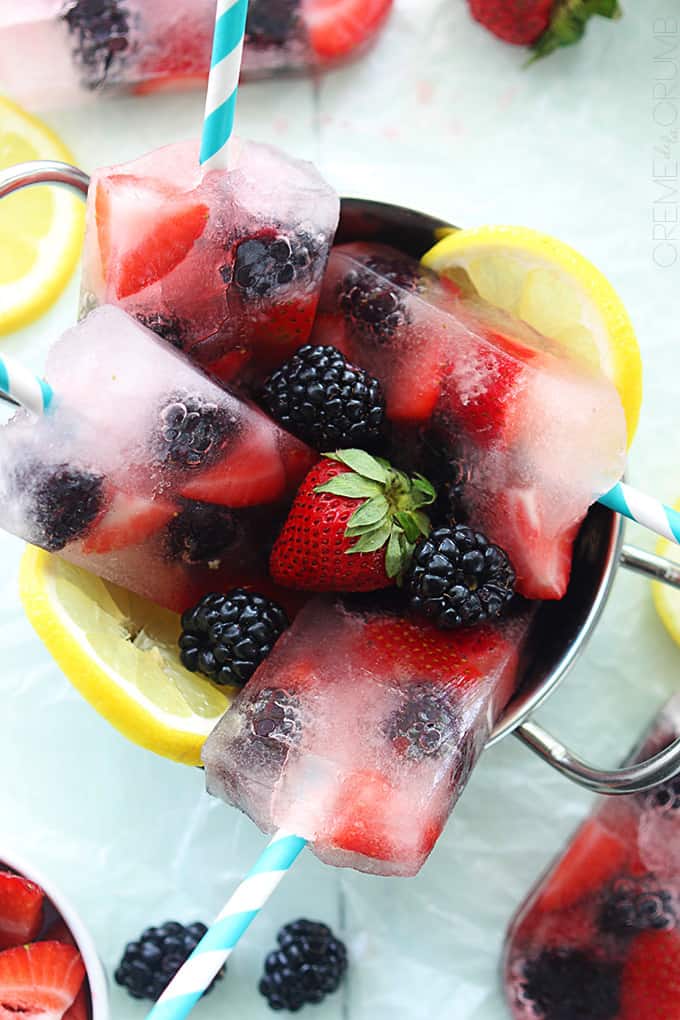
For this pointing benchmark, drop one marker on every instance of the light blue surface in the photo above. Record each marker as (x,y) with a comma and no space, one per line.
(439,117)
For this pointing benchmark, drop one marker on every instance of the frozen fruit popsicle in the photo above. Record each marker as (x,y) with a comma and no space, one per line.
(55,51)
(540,437)
(146,472)
(360,730)
(599,936)
(226,266)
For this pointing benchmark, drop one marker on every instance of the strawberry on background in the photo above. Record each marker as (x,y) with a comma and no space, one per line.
(39,981)
(545,25)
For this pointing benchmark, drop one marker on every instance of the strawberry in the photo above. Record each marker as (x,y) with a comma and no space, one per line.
(545,25)
(352,527)
(336,27)
(39,981)
(162,225)
(594,857)
(60,932)
(129,520)
(21,910)
(650,984)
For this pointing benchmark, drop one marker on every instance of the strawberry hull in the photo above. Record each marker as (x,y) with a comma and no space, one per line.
(360,731)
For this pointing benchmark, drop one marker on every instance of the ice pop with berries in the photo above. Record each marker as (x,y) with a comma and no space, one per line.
(527,437)
(57,51)
(225,265)
(144,470)
(360,730)
(599,936)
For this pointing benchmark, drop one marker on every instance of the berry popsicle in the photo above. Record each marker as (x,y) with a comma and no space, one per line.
(145,471)
(539,436)
(360,731)
(78,47)
(225,265)
(599,936)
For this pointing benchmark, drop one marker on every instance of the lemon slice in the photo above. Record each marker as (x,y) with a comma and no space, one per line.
(120,652)
(41,228)
(666,598)
(557,291)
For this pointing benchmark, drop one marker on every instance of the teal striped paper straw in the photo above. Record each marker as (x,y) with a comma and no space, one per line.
(225,67)
(192,979)
(643,509)
(23,387)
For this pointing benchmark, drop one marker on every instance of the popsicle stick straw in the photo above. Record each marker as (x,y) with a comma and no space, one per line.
(20,386)
(225,66)
(643,509)
(191,981)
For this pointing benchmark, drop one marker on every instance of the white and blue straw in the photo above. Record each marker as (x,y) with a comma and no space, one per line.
(225,67)
(22,387)
(643,509)
(191,981)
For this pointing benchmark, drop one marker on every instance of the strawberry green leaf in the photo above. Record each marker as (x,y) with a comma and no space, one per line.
(425,489)
(423,522)
(373,511)
(350,485)
(409,526)
(568,24)
(364,529)
(363,464)
(393,557)
(372,541)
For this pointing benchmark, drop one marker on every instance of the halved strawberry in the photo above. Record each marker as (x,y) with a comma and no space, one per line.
(250,473)
(80,1010)
(361,820)
(336,27)
(21,910)
(145,230)
(650,985)
(594,857)
(39,981)
(59,932)
(415,386)
(230,365)
(129,520)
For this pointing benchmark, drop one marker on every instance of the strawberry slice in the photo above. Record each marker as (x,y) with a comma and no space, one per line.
(80,1010)
(128,521)
(39,981)
(155,229)
(594,857)
(21,910)
(336,27)
(414,389)
(650,985)
(251,472)
(60,932)
(361,819)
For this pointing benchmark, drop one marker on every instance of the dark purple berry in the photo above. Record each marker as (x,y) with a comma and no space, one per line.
(308,965)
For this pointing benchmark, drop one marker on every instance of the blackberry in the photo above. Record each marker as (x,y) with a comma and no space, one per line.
(272,22)
(264,264)
(169,327)
(373,306)
(61,501)
(100,29)
(308,965)
(568,984)
(191,431)
(458,577)
(318,396)
(664,798)
(149,964)
(201,533)
(631,908)
(424,725)
(226,637)
(274,715)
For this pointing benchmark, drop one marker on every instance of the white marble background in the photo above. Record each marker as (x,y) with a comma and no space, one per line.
(441,117)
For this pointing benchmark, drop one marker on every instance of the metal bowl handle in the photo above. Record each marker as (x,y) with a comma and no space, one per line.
(633,778)
(43,171)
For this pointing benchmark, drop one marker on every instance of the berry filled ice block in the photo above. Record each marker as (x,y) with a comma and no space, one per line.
(527,438)
(55,51)
(599,937)
(145,471)
(225,265)
(360,730)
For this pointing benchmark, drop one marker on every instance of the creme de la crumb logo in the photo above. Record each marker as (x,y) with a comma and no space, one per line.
(666,116)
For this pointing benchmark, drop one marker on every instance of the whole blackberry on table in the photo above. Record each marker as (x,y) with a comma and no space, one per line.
(150,963)
(191,430)
(308,965)
(226,637)
(61,501)
(458,577)
(319,397)
(100,29)
(264,263)
(168,327)
(570,984)
(632,907)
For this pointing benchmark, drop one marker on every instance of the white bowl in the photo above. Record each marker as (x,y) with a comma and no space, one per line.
(96,975)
